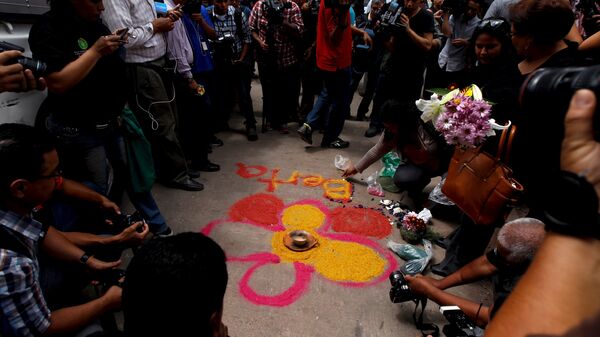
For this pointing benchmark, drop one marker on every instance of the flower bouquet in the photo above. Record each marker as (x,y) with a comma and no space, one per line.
(413,227)
(462,117)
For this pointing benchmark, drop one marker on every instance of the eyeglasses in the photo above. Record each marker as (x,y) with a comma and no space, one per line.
(56,174)
(492,23)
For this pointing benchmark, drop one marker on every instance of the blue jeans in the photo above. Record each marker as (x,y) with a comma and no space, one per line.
(88,155)
(336,94)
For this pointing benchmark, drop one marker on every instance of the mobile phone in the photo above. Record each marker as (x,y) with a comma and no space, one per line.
(122,33)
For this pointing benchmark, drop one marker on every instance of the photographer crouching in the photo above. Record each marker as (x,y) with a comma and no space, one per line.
(518,240)
(277,27)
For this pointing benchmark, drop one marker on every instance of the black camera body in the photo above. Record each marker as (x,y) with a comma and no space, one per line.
(588,8)
(547,92)
(223,49)
(274,10)
(456,7)
(314,6)
(400,291)
(122,221)
(37,67)
(460,325)
(389,21)
(110,277)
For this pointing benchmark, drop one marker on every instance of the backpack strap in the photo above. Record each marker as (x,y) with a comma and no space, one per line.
(239,29)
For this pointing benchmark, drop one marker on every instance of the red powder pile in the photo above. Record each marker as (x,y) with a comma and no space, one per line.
(361,221)
(259,208)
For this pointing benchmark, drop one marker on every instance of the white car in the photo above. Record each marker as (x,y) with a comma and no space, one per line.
(16,18)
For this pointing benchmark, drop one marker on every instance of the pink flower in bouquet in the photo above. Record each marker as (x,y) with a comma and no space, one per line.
(464,121)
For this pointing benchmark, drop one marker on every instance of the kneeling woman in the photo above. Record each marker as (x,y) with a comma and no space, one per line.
(423,155)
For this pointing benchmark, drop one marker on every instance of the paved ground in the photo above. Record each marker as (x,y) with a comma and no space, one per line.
(325,308)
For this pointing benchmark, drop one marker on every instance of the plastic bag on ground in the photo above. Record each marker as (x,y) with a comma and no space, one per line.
(373,187)
(406,251)
(341,162)
(438,196)
(417,266)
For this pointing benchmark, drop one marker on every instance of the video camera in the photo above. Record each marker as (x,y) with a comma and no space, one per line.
(547,93)
(37,67)
(390,20)
(274,10)
(400,291)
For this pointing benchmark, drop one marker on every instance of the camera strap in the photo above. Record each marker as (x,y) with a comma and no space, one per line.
(425,328)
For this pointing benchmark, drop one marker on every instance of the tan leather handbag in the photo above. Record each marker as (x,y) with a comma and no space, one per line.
(481,184)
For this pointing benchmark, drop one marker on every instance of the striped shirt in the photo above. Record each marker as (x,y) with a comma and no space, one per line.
(225,25)
(24,310)
(137,15)
(283,46)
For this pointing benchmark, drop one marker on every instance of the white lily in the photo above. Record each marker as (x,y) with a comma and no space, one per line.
(496,126)
(431,108)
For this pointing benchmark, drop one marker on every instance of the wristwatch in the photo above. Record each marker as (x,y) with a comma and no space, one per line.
(572,208)
(84,258)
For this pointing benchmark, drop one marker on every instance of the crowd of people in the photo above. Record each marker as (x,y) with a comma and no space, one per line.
(138,92)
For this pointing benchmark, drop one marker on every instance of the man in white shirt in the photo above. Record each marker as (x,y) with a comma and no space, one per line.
(152,98)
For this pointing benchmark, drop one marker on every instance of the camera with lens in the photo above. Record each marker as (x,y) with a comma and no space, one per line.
(37,67)
(342,5)
(547,92)
(274,10)
(390,21)
(223,49)
(314,6)
(460,325)
(109,277)
(122,221)
(400,291)
(588,8)
(454,6)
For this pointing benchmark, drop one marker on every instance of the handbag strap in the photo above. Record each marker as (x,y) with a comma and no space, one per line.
(504,146)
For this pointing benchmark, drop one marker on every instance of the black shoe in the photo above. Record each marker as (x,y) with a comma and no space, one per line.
(216,142)
(251,133)
(193,173)
(305,133)
(372,132)
(208,167)
(166,233)
(186,183)
(337,144)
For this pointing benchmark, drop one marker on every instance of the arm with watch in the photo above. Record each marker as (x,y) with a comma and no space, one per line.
(57,246)
(562,285)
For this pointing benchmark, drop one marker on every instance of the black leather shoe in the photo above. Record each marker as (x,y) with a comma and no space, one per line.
(186,183)
(372,132)
(208,167)
(337,144)
(193,173)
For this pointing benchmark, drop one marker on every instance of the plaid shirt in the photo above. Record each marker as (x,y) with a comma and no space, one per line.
(283,45)
(225,25)
(24,310)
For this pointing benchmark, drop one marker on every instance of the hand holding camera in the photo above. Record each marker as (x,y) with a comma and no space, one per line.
(580,151)
(17,72)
